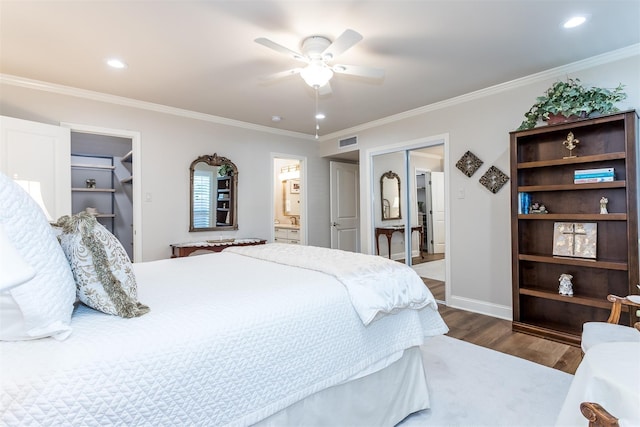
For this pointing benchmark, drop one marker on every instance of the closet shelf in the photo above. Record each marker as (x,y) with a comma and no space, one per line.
(128,180)
(95,190)
(90,166)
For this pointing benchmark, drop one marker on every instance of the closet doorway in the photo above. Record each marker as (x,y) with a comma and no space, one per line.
(105,171)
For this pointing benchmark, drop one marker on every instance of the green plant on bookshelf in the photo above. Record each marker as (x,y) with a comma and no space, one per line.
(571,99)
(225,170)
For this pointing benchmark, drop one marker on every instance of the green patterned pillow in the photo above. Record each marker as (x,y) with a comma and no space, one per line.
(101,267)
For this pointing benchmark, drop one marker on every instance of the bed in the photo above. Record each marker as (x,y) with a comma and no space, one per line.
(234,338)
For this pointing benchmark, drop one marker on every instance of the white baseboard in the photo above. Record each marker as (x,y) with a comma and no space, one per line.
(482,307)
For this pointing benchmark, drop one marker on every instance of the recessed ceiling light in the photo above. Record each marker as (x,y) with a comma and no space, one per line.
(574,22)
(276,118)
(116,63)
(320,116)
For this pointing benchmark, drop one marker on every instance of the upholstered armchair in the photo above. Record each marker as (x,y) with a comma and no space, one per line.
(598,332)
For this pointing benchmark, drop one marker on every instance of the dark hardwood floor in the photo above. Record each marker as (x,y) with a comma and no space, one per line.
(496,334)
(436,287)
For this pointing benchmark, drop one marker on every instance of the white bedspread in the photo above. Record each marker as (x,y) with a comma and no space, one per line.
(376,285)
(229,340)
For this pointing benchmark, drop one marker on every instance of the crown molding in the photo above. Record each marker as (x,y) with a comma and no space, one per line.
(605,58)
(142,105)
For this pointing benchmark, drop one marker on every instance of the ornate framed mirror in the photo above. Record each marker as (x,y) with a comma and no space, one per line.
(390,189)
(213,194)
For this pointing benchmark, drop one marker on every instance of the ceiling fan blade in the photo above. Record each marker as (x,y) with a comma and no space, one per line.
(345,41)
(281,74)
(356,70)
(279,48)
(325,90)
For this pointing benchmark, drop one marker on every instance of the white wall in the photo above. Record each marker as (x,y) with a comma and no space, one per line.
(479,244)
(169,143)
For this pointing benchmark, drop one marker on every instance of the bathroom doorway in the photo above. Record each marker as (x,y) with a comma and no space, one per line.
(289,206)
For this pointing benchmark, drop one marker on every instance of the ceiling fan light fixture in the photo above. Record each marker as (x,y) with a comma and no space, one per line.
(316,74)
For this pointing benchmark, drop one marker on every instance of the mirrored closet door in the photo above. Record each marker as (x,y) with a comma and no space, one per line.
(408,214)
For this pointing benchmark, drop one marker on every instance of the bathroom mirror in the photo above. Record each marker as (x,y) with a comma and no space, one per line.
(291,197)
(213,194)
(390,189)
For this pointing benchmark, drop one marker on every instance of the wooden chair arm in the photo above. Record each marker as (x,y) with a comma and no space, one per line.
(616,307)
(597,415)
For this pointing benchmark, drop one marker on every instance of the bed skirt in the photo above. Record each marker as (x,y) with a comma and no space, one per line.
(383,398)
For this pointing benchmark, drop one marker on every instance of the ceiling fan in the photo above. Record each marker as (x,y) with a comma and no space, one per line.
(318,52)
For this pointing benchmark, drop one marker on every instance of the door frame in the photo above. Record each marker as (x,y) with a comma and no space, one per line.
(303,194)
(135,172)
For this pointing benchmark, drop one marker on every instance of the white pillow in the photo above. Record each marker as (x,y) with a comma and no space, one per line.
(42,306)
(14,270)
(100,265)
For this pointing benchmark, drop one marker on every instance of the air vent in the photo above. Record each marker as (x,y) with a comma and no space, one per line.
(348,142)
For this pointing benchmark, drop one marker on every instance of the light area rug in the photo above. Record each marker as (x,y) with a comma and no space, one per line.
(470,385)
(431,270)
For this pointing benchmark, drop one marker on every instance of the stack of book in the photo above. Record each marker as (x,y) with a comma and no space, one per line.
(524,203)
(593,175)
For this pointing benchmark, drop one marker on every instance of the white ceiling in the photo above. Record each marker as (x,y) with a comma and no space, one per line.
(200,55)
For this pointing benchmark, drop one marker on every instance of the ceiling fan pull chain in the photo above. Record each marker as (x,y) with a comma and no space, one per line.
(316,115)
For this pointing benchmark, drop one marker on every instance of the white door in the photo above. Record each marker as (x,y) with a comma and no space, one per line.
(437,208)
(345,206)
(38,155)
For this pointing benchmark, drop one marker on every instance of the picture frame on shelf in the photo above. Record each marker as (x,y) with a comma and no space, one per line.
(575,239)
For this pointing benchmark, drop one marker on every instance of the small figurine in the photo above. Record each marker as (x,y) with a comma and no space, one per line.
(570,144)
(538,207)
(603,205)
(566,287)
(91,183)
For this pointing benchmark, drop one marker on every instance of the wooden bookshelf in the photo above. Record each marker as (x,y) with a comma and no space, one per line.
(539,167)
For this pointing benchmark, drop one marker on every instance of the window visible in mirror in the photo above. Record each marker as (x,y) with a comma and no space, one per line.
(213,195)
(202,198)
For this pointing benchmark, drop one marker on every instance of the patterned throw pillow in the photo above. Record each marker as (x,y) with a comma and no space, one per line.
(101,267)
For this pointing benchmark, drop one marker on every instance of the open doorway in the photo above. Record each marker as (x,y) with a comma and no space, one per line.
(125,173)
(289,218)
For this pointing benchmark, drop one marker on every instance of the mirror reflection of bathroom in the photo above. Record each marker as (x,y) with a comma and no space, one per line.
(287,215)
